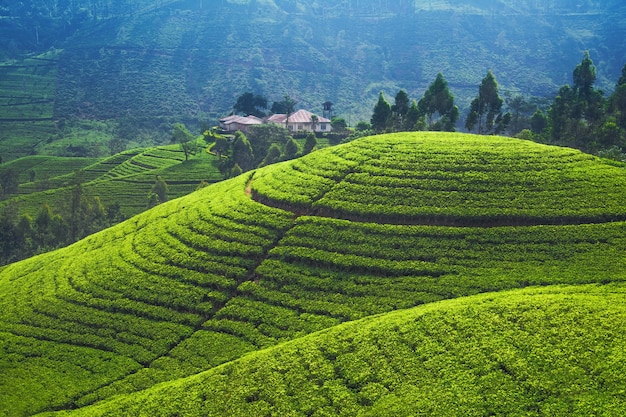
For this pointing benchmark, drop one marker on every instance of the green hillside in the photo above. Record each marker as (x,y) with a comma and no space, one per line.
(125,178)
(376,225)
(186,61)
(556,352)
(27,93)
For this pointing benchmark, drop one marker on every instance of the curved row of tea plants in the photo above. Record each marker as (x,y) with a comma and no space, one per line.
(155,279)
(556,352)
(449,179)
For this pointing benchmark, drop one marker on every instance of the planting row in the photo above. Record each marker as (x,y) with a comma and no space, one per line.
(486,355)
(140,288)
(444,179)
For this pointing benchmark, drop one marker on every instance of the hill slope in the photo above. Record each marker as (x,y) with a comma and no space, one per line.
(172,62)
(125,178)
(298,247)
(554,352)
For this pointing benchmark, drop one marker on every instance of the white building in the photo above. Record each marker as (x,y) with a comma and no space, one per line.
(234,123)
(302,121)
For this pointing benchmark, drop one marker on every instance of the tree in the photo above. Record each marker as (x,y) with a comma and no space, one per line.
(538,122)
(250,104)
(43,226)
(314,121)
(291,149)
(221,146)
(381,115)
(272,156)
(362,126)
(235,171)
(589,100)
(399,110)
(584,77)
(187,141)
(9,182)
(617,101)
(577,113)
(521,110)
(262,136)
(413,117)
(439,101)
(285,106)
(160,188)
(339,124)
(86,213)
(486,109)
(310,143)
(242,152)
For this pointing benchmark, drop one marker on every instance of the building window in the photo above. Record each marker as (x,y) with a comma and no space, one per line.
(300,127)
(290,127)
(323,126)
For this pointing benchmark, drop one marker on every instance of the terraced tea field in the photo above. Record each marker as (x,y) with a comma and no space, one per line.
(126,178)
(27,93)
(244,295)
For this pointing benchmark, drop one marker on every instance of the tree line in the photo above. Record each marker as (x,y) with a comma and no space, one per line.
(580,116)
(22,236)
(262,145)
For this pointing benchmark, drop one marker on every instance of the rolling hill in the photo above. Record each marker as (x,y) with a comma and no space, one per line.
(267,259)
(556,351)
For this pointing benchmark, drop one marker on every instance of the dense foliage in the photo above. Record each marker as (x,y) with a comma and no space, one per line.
(581,117)
(202,280)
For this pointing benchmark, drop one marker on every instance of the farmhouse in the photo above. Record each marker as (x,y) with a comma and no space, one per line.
(301,121)
(234,123)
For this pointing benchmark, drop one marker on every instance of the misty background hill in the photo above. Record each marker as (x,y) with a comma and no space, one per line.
(145,62)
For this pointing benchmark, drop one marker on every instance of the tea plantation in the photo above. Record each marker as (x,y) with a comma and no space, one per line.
(125,178)
(386,276)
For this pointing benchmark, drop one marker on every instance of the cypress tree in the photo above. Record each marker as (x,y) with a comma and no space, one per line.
(382,113)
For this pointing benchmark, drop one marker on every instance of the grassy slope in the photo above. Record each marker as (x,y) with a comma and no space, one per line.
(125,178)
(556,351)
(204,279)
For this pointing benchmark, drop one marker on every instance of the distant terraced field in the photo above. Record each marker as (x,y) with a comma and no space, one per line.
(125,179)
(380,224)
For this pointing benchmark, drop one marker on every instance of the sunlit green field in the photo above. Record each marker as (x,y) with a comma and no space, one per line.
(126,178)
(234,293)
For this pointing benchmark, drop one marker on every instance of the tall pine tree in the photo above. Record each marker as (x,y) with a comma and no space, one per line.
(382,114)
